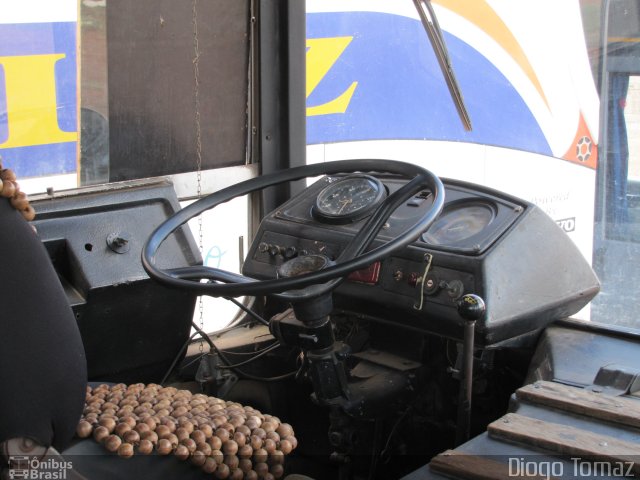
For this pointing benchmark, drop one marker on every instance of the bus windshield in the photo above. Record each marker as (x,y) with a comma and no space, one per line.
(552,111)
(552,90)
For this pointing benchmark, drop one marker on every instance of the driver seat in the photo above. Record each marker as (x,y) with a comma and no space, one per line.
(44,374)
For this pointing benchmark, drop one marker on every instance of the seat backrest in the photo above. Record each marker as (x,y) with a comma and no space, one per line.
(42,360)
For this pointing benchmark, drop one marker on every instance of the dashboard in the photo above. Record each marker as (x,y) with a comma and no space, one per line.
(484,242)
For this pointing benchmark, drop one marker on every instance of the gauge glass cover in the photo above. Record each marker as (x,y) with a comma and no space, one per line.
(348,199)
(459,223)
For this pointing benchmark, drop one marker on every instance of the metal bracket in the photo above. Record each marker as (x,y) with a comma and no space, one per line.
(616,380)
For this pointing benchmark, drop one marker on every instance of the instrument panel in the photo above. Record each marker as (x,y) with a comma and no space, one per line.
(484,242)
(469,223)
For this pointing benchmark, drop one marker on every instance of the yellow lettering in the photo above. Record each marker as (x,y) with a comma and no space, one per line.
(322,54)
(32,114)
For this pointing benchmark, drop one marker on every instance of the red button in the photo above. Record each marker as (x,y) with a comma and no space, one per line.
(367,275)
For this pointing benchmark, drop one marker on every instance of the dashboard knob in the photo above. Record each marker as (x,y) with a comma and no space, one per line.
(290,252)
(471,307)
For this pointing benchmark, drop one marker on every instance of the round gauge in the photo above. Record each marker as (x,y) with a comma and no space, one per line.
(348,199)
(458,223)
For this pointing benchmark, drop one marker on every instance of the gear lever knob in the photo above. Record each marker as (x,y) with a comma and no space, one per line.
(471,307)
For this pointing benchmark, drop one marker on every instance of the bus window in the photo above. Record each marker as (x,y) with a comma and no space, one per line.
(160,96)
(135,90)
(617,221)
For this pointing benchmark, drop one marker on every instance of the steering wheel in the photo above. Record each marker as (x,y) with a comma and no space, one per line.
(308,285)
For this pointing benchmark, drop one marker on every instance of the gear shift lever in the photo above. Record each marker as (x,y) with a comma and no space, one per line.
(471,308)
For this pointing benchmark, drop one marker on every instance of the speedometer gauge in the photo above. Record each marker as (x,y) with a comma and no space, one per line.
(459,222)
(348,199)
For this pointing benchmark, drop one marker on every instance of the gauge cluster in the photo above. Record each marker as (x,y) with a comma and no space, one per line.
(483,242)
(470,221)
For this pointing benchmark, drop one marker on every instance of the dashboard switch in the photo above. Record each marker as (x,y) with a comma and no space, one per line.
(455,289)
(431,284)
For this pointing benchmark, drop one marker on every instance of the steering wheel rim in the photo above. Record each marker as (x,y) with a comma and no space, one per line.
(229,284)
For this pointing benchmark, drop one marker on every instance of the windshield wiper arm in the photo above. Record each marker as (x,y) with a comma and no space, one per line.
(430,23)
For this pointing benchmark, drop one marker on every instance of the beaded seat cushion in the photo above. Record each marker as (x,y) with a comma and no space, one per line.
(223,438)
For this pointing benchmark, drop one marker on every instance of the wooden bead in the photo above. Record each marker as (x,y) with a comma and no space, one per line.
(230,447)
(222,471)
(122,428)
(269,427)
(198,458)
(145,447)
(284,430)
(209,465)
(277,470)
(255,419)
(180,412)
(84,429)
(132,437)
(8,189)
(100,433)
(182,452)
(189,443)
(198,436)
(251,475)
(205,448)
(273,436)
(231,461)
(186,424)
(292,440)
(256,442)
(260,456)
(207,430)
(236,420)
(142,428)
(276,457)
(236,474)
(173,439)
(261,469)
(215,442)
(269,446)
(112,443)
(222,434)
(181,433)
(125,450)
(164,446)
(150,436)
(245,451)
(218,421)
(245,465)
(19,201)
(150,422)
(8,174)
(28,213)
(217,456)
